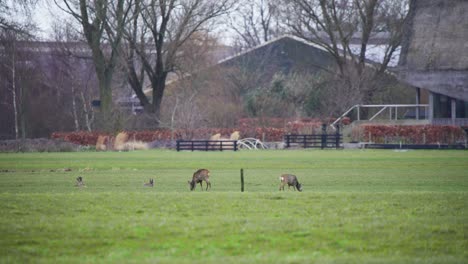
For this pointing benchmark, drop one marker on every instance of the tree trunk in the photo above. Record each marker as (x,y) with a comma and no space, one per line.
(15,108)
(22,112)
(75,115)
(158,84)
(105,91)
(137,87)
(88,119)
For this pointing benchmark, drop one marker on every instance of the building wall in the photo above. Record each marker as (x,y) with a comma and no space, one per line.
(438,36)
(435,47)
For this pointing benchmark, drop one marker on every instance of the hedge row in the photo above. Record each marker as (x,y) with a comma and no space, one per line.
(90,138)
(417,134)
(245,128)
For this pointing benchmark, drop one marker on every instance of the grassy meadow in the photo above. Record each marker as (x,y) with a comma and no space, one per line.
(358,206)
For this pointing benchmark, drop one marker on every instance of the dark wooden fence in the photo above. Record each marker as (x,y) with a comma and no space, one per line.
(207,145)
(322,141)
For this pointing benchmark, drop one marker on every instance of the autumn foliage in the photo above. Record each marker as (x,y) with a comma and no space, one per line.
(247,128)
(416,134)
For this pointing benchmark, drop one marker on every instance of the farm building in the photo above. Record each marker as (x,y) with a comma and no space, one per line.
(258,68)
(434,58)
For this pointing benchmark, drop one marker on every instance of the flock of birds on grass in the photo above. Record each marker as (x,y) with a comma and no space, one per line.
(203,175)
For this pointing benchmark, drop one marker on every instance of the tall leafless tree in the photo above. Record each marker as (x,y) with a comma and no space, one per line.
(69,64)
(11,32)
(9,9)
(336,25)
(158,31)
(9,63)
(103,22)
(255,22)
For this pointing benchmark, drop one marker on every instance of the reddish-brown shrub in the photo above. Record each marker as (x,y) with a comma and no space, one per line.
(90,138)
(81,137)
(417,134)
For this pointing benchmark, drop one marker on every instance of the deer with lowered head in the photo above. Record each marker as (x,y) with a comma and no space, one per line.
(198,177)
(290,180)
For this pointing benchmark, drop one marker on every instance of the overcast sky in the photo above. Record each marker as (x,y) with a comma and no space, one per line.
(46,13)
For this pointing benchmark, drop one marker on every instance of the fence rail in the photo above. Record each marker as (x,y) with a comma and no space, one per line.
(207,145)
(315,141)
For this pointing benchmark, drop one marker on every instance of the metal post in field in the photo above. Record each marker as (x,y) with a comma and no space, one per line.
(242,179)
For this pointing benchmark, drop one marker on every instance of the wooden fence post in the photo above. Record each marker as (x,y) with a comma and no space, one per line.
(242,179)
(324,136)
(337,138)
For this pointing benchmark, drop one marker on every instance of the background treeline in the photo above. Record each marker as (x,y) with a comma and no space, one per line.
(162,53)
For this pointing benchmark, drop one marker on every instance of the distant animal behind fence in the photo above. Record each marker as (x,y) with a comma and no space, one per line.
(198,177)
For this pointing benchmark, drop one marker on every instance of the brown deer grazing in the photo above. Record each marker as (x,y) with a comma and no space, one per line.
(198,177)
(290,180)
(149,184)
(79,182)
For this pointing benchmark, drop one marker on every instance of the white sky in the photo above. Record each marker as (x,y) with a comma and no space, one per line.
(45,15)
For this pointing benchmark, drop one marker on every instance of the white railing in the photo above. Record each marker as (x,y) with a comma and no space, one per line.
(393,111)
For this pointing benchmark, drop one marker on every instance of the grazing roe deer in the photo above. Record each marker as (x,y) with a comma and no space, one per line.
(79,182)
(290,180)
(149,184)
(198,177)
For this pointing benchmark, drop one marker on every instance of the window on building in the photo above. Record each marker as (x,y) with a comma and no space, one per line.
(442,106)
(462,109)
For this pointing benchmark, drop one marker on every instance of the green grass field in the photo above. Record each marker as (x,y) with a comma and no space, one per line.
(357,207)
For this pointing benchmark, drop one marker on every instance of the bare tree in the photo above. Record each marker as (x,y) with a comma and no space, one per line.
(335,25)
(157,33)
(103,22)
(186,97)
(70,65)
(9,44)
(12,31)
(19,7)
(255,22)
